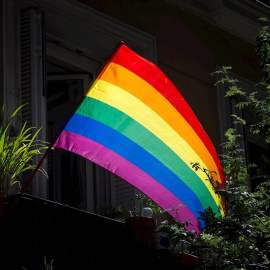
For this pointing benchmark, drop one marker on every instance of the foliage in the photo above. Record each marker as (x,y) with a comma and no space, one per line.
(177,230)
(16,151)
(118,213)
(244,232)
(144,203)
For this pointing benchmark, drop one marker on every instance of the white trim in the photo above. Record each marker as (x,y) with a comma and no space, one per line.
(38,99)
(237,17)
(72,58)
(11,57)
(99,28)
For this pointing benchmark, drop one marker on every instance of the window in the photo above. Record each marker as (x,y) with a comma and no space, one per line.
(67,172)
(254,147)
(63,45)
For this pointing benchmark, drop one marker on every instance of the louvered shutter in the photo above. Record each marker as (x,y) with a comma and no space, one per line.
(33,86)
(123,193)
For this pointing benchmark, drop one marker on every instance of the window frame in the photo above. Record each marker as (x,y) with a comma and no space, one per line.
(226,110)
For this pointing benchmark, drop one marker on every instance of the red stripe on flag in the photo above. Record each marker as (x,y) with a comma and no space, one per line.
(154,76)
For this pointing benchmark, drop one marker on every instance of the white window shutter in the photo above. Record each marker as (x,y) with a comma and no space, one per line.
(33,86)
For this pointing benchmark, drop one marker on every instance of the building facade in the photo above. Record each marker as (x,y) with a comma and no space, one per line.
(52,50)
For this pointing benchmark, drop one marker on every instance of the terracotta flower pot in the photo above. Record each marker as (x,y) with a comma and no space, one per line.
(141,228)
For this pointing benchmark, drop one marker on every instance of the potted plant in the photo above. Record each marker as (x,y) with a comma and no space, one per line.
(179,237)
(161,240)
(176,231)
(141,223)
(17,148)
(180,240)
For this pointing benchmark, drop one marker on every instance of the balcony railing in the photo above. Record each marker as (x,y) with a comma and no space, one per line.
(73,238)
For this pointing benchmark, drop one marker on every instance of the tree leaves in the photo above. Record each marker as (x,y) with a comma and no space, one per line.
(244,233)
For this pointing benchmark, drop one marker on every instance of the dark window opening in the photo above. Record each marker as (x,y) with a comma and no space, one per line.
(258,155)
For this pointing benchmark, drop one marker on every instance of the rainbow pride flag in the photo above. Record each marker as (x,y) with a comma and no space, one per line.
(136,124)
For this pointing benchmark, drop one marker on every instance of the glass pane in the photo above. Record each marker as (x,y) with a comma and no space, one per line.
(66,170)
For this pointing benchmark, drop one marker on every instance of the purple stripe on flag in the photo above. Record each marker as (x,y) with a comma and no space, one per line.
(113,162)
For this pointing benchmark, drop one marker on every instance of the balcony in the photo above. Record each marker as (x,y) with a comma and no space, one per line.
(75,239)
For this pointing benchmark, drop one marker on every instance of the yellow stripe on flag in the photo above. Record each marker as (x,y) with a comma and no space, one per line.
(130,105)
